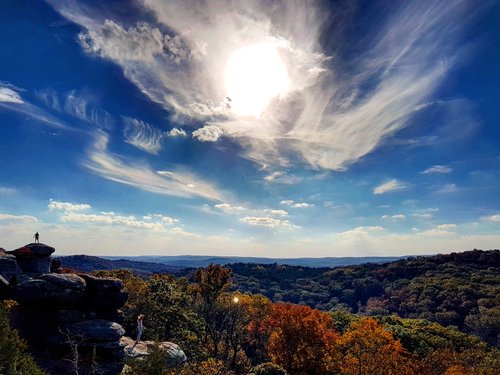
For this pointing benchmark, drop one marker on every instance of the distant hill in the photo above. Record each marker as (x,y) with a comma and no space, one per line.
(86,263)
(196,261)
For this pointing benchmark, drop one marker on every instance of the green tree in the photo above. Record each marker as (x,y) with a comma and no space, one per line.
(14,358)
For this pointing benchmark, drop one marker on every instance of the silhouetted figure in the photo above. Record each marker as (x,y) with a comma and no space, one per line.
(37,236)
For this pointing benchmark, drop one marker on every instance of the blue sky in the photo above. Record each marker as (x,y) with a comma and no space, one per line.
(256,128)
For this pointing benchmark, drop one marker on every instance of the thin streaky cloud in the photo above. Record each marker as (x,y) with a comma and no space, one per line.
(175,183)
(17,218)
(9,95)
(11,100)
(389,186)
(437,169)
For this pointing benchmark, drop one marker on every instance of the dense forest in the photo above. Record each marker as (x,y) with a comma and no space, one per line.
(399,318)
(425,315)
(458,289)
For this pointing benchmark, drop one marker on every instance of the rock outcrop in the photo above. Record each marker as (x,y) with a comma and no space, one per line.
(174,356)
(60,311)
(34,257)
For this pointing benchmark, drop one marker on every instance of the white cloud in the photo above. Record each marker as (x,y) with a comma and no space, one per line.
(394,217)
(275,212)
(154,222)
(142,135)
(9,95)
(437,169)
(424,216)
(176,132)
(229,209)
(270,222)
(446,226)
(281,177)
(358,233)
(208,133)
(66,206)
(493,218)
(448,188)
(329,119)
(291,203)
(392,185)
(175,183)
(18,218)
(7,191)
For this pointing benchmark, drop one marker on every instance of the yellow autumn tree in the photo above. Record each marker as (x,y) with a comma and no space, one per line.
(369,349)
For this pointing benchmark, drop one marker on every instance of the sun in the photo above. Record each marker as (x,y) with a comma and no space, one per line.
(255,74)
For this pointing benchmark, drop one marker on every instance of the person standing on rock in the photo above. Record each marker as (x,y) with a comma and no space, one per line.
(37,237)
(140,328)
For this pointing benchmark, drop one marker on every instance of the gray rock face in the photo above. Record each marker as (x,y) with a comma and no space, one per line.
(174,355)
(58,291)
(97,330)
(104,293)
(65,280)
(34,258)
(8,266)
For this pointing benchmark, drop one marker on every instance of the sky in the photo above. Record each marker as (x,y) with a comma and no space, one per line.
(250,128)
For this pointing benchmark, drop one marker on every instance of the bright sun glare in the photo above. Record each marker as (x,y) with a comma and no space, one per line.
(254,75)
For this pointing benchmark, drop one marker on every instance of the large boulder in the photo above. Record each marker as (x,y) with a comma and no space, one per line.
(104,293)
(51,290)
(8,266)
(34,257)
(97,330)
(174,355)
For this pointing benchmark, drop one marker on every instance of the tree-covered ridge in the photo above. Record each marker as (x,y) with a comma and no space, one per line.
(460,289)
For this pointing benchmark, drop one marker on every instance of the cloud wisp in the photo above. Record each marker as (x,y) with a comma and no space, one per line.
(437,169)
(176,183)
(392,185)
(12,100)
(330,117)
(142,135)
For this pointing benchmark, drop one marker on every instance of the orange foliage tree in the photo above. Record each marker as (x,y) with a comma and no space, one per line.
(302,340)
(369,349)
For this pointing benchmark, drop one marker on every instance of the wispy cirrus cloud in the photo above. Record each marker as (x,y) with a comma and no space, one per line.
(332,116)
(392,185)
(175,183)
(8,94)
(281,177)
(142,135)
(12,100)
(79,104)
(437,169)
